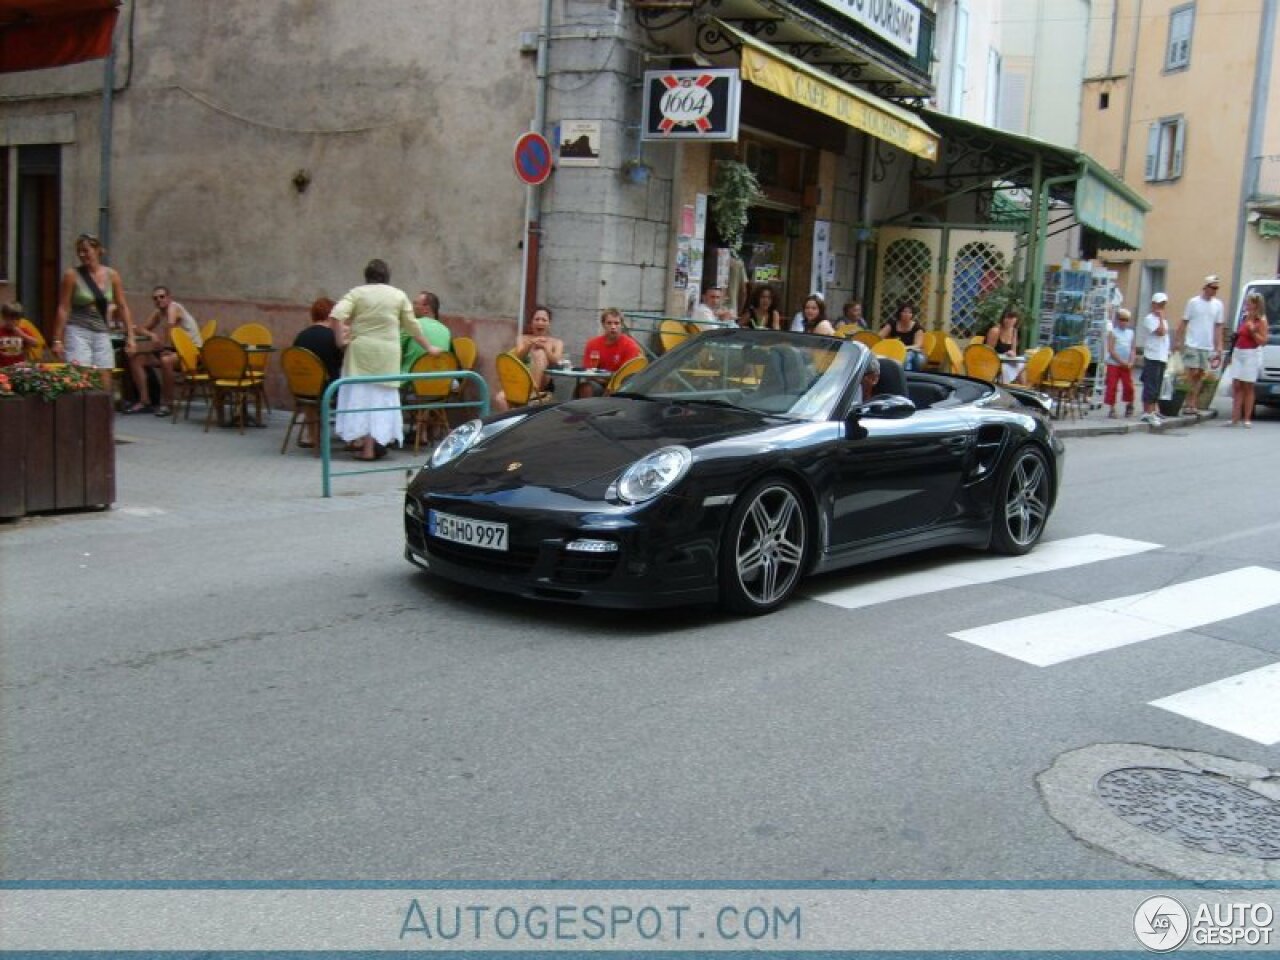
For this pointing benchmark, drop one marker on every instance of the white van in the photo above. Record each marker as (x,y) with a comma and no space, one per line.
(1268,388)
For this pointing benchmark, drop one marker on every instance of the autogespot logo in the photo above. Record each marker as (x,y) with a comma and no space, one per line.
(1161,924)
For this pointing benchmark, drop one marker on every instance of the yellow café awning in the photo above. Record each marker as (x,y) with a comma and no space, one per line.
(800,83)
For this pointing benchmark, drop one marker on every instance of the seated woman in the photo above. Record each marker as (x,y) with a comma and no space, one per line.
(1002,337)
(762,310)
(538,350)
(905,328)
(813,316)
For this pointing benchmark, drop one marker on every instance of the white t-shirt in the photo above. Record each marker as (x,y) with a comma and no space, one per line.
(1202,317)
(1122,344)
(1157,347)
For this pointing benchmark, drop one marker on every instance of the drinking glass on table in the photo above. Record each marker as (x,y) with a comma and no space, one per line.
(594,357)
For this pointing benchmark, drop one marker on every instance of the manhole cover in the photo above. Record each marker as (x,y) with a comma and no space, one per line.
(1199,810)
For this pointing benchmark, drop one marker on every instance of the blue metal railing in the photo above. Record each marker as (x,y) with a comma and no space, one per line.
(326,435)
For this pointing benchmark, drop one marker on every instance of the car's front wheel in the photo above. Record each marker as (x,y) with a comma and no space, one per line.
(766,544)
(1022,507)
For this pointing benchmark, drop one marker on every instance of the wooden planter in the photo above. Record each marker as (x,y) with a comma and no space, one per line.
(58,455)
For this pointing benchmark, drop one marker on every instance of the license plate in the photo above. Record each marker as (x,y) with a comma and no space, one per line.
(473,533)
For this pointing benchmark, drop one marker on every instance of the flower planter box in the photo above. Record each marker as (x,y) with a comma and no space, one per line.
(56,455)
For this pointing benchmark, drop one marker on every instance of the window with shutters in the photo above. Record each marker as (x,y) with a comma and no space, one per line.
(1166,140)
(1178,54)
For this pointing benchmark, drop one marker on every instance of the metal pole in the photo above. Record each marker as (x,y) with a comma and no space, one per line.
(533,195)
(1252,167)
(104,175)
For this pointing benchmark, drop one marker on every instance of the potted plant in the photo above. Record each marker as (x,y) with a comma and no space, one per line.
(56,440)
(736,189)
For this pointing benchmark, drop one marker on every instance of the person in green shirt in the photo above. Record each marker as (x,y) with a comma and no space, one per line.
(426,307)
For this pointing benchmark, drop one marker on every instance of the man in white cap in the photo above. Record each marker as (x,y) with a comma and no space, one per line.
(1155,356)
(1200,339)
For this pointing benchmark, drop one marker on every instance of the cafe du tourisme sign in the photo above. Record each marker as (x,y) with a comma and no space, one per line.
(691,104)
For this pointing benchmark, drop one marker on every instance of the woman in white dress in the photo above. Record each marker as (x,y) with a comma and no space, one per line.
(369,319)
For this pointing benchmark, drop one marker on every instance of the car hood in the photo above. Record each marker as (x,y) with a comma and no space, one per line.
(583,445)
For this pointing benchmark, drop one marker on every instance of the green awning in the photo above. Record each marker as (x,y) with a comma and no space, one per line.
(1102,202)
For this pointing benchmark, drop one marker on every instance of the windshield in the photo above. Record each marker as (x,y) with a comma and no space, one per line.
(794,375)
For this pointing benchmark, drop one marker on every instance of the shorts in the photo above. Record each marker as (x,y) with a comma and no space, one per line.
(1246,364)
(88,348)
(1195,358)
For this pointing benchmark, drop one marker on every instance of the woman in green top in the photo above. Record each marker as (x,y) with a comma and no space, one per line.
(85,301)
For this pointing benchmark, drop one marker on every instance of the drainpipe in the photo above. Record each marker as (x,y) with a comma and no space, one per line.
(533,195)
(1132,91)
(1257,123)
(863,251)
(105,133)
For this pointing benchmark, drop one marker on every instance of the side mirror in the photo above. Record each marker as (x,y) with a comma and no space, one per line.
(886,406)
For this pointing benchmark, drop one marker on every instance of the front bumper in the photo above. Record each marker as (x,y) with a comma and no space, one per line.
(665,553)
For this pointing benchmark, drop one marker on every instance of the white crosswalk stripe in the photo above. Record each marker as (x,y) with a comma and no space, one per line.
(1247,704)
(1047,557)
(1054,637)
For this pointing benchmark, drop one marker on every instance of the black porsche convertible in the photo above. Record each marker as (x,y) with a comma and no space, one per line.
(729,469)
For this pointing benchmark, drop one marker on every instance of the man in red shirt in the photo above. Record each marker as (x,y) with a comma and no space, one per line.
(607,352)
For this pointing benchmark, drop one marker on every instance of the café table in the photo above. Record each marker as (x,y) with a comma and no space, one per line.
(1011,367)
(577,375)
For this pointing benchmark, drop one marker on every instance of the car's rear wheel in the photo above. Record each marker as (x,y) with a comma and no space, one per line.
(765,548)
(1022,508)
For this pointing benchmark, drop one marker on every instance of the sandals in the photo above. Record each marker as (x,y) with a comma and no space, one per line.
(136,407)
(379,451)
(164,411)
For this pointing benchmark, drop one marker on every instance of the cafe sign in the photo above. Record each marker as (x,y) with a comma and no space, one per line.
(894,21)
(691,104)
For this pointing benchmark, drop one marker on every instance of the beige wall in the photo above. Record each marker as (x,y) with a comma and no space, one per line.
(1194,219)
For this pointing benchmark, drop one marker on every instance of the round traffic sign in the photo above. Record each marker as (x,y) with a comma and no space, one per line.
(532,158)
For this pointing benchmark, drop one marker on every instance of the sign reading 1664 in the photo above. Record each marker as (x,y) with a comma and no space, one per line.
(691,104)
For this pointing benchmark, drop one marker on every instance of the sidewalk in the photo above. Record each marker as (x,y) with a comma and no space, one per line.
(1097,424)
(177,473)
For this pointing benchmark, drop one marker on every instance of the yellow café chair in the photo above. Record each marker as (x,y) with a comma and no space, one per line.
(517,381)
(866,338)
(306,376)
(1062,381)
(624,373)
(671,333)
(892,348)
(955,358)
(982,362)
(1037,363)
(194,379)
(432,391)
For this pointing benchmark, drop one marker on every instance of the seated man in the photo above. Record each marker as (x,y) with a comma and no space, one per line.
(607,352)
(158,351)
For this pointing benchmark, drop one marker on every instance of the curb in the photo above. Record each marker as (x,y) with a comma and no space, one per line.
(1109,429)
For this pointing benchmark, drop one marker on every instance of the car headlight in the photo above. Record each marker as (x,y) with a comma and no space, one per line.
(463,438)
(458,442)
(651,475)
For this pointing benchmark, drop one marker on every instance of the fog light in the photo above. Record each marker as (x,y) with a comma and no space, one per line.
(412,508)
(592,546)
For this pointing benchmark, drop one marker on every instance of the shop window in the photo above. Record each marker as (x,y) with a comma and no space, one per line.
(1165,141)
(907,266)
(1178,53)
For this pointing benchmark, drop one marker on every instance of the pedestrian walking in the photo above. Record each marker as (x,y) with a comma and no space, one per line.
(1200,340)
(86,297)
(1155,357)
(1119,360)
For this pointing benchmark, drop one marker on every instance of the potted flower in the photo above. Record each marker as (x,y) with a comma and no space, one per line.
(56,440)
